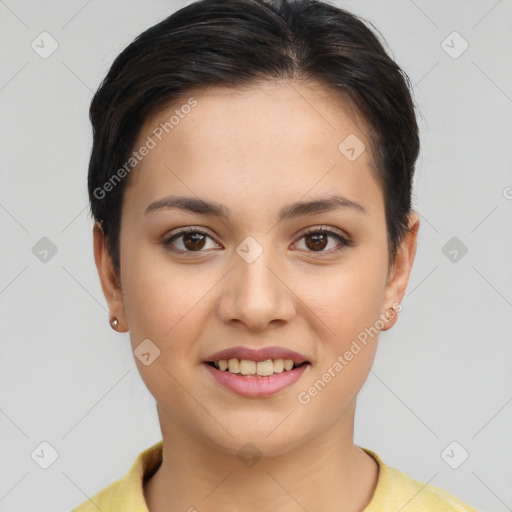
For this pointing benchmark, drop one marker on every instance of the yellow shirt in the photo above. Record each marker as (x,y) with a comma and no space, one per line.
(395,490)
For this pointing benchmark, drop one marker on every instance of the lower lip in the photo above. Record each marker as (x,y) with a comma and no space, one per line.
(257,387)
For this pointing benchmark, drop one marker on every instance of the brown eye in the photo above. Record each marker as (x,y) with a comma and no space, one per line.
(192,240)
(317,239)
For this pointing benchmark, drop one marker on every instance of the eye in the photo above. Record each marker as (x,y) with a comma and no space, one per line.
(193,240)
(317,239)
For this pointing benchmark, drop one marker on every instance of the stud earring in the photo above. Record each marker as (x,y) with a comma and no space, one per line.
(114,322)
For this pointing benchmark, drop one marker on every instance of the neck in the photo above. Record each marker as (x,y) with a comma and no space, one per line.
(325,473)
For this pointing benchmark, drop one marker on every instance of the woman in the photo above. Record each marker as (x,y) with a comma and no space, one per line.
(250,180)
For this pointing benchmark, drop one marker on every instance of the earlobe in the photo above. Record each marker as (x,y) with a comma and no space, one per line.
(389,318)
(400,272)
(108,278)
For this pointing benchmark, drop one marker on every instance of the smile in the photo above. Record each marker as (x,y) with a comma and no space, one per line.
(250,383)
(264,368)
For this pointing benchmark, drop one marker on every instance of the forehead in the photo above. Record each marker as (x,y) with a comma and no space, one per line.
(272,138)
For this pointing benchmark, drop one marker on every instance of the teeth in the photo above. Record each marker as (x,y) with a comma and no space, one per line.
(261,368)
(278,365)
(265,368)
(247,367)
(233,366)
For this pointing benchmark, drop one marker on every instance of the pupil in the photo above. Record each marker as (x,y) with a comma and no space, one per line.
(196,238)
(316,244)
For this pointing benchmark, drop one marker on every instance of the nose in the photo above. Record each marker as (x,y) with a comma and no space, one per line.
(256,294)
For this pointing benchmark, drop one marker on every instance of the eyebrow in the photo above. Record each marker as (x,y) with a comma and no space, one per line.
(202,207)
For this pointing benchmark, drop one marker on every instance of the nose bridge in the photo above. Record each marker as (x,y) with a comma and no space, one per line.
(258,296)
(254,278)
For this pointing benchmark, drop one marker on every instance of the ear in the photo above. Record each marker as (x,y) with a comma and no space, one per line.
(108,278)
(399,273)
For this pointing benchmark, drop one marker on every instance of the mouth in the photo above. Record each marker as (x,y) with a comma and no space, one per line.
(250,368)
(256,373)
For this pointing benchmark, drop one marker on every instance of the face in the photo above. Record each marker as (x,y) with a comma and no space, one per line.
(262,271)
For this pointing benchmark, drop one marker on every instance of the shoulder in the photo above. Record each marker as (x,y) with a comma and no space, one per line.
(127,494)
(104,500)
(396,490)
(425,497)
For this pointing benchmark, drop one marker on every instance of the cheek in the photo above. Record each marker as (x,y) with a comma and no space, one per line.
(349,309)
(161,309)
(151,303)
(152,287)
(167,305)
(349,305)
(350,298)
(160,302)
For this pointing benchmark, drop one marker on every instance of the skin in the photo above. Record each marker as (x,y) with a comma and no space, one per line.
(254,151)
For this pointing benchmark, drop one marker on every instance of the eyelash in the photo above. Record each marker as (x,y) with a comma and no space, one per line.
(343,242)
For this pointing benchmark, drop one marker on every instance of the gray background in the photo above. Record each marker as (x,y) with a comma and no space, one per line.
(442,374)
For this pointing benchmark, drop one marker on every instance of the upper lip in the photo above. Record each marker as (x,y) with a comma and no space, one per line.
(261,354)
